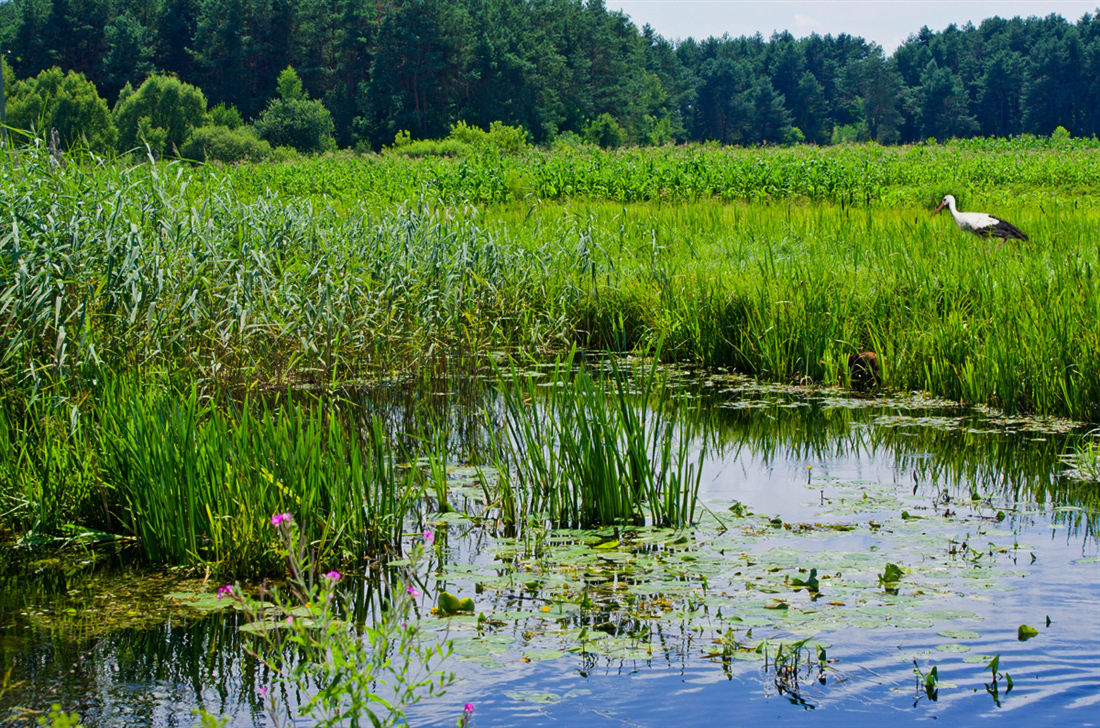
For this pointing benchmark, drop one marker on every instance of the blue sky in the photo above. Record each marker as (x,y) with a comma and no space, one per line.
(886,22)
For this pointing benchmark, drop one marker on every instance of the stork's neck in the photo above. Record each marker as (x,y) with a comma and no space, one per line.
(952,208)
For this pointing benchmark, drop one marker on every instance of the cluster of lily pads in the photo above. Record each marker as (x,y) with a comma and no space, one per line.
(735,586)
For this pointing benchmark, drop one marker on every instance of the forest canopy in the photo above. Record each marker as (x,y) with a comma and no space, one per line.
(369,70)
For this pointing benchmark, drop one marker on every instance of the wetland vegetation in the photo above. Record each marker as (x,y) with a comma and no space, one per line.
(548,361)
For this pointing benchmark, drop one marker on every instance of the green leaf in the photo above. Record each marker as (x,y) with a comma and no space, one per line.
(1024,633)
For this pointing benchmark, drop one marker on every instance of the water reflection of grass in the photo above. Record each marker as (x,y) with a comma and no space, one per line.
(945,446)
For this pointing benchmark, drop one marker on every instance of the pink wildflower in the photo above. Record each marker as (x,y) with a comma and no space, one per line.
(279,518)
(413,592)
(333,576)
(225,591)
(468,709)
(429,537)
(262,691)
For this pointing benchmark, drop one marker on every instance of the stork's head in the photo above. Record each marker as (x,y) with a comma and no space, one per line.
(948,201)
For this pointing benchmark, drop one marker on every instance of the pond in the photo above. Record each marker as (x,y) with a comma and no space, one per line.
(844,547)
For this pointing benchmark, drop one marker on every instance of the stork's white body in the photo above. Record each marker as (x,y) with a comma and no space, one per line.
(981,223)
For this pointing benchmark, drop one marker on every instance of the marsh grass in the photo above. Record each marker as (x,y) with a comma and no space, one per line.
(582,452)
(196,482)
(774,263)
(106,269)
(787,292)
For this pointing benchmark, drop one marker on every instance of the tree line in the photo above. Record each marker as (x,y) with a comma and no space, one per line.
(365,71)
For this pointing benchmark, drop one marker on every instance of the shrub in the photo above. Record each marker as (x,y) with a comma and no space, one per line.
(500,138)
(568,140)
(467,134)
(164,103)
(433,148)
(794,136)
(605,131)
(292,120)
(223,144)
(507,139)
(66,102)
(222,115)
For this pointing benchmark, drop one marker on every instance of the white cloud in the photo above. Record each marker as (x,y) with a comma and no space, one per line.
(805,21)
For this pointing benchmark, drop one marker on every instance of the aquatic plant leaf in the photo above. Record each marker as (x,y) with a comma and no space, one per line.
(202,602)
(543,655)
(263,626)
(1024,633)
(449,605)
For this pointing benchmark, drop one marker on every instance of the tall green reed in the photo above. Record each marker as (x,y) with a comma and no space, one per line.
(196,483)
(580,452)
(50,484)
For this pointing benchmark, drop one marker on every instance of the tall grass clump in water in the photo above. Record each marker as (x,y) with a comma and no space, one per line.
(581,452)
(197,484)
(49,473)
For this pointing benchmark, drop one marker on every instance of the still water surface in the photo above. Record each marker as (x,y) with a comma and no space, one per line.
(823,481)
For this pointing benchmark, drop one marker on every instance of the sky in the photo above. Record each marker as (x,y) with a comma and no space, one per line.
(885,22)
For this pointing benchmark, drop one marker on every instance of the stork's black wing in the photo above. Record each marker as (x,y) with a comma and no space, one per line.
(1004,230)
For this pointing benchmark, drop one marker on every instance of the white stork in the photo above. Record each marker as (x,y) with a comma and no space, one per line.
(980,223)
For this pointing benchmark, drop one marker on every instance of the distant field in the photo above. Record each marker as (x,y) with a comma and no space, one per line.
(987,170)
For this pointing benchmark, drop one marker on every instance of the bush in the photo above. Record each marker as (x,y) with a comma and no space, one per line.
(794,136)
(847,134)
(162,103)
(222,115)
(500,139)
(654,132)
(605,131)
(507,139)
(223,144)
(66,102)
(568,140)
(306,126)
(433,148)
(292,120)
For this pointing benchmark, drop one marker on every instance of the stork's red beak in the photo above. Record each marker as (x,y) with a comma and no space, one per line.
(942,205)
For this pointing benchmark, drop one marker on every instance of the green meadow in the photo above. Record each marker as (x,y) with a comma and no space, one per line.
(235,308)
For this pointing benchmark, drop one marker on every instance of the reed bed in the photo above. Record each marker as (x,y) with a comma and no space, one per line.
(788,291)
(193,483)
(104,269)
